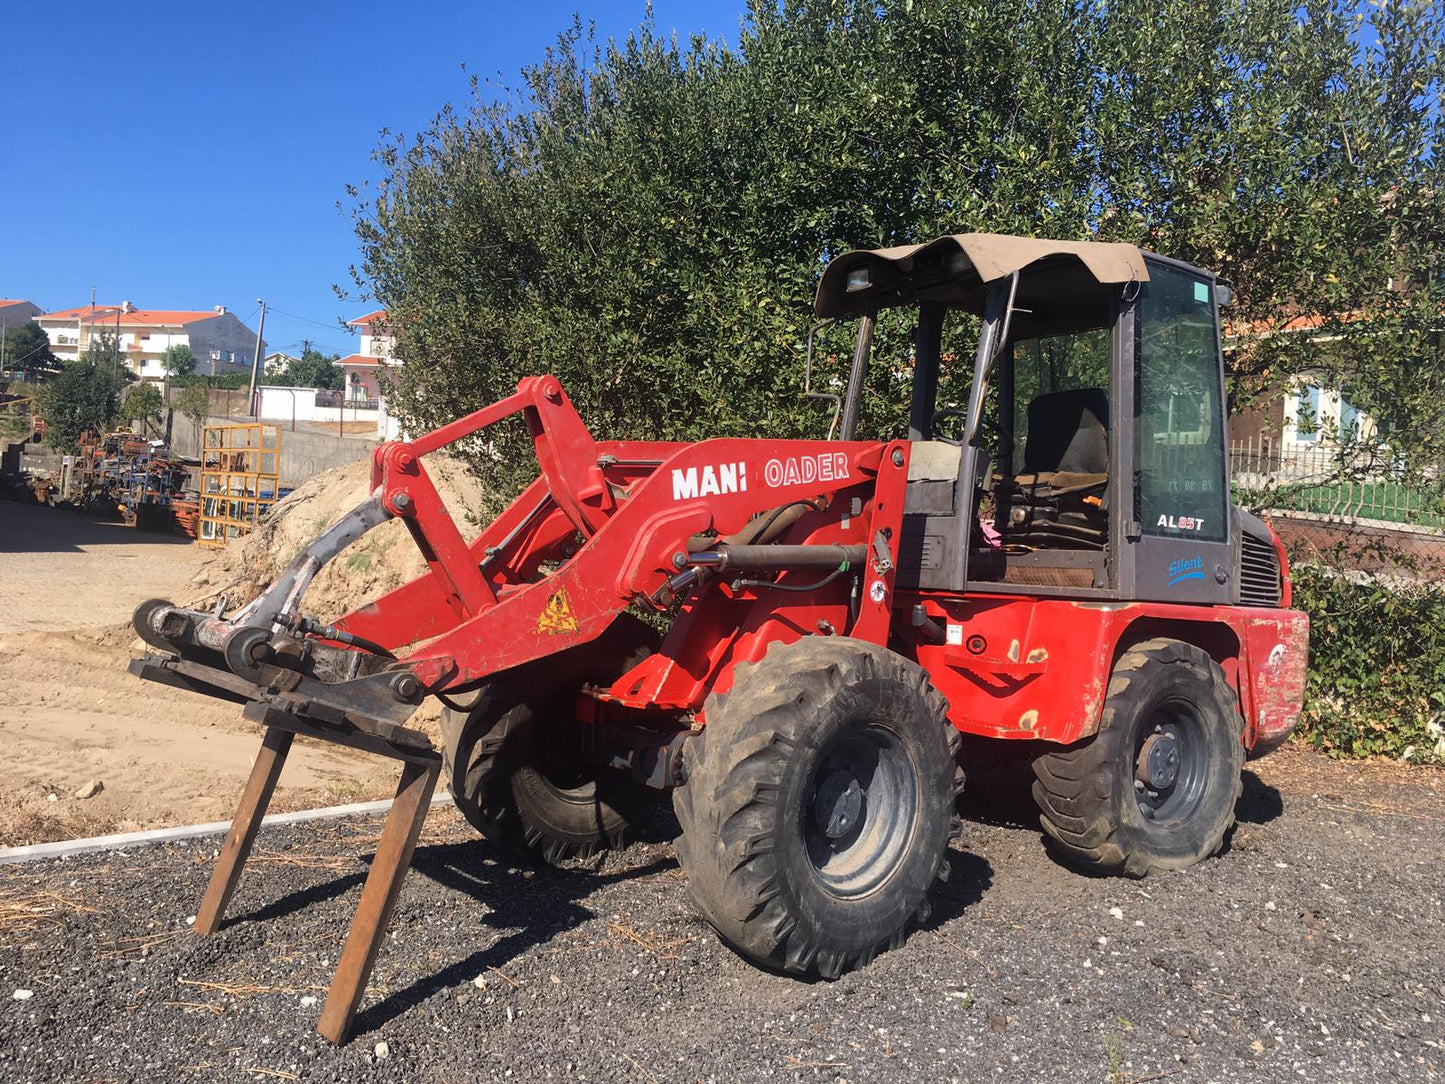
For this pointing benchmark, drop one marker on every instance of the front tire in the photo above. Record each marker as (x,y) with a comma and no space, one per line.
(511,763)
(819,804)
(1155,788)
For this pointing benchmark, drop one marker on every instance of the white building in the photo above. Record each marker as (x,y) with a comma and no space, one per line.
(221,343)
(277,362)
(366,381)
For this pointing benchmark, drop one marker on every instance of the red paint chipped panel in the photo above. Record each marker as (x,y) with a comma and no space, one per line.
(1277,646)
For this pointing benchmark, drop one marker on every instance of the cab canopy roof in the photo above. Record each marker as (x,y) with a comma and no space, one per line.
(1062,285)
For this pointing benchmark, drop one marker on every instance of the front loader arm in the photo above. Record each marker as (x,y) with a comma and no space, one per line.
(604,526)
(630,558)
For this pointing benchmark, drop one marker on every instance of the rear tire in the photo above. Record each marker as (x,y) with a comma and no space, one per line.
(819,804)
(1155,788)
(507,759)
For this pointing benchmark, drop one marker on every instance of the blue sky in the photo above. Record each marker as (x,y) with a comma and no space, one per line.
(187,155)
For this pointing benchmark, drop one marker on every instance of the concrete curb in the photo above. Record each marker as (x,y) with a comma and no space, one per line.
(123,840)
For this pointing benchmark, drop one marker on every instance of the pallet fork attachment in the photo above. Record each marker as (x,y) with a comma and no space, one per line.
(420,769)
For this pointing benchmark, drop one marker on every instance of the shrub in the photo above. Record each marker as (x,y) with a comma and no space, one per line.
(1377,664)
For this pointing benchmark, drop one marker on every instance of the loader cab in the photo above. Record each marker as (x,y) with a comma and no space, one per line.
(1081,454)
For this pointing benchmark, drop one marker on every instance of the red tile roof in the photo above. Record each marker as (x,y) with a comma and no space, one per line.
(13,301)
(136,317)
(79,312)
(379,316)
(360,361)
(1303,322)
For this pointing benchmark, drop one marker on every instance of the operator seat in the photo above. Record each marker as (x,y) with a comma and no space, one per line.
(1057,502)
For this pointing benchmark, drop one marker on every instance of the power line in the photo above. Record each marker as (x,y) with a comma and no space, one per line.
(335,325)
(43,346)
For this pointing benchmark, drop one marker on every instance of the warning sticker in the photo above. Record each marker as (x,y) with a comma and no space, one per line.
(557,617)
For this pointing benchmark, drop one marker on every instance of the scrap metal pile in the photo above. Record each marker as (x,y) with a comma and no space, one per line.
(117,475)
(123,473)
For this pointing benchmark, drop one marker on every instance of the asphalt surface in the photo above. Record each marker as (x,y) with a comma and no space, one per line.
(1311,950)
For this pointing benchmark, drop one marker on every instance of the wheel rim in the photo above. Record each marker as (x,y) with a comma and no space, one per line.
(1169,764)
(861,811)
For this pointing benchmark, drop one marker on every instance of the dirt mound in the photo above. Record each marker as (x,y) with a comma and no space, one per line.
(383,559)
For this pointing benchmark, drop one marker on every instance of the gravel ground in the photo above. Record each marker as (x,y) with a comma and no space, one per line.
(1311,950)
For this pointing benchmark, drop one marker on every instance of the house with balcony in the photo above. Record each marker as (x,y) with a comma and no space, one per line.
(220,341)
(366,370)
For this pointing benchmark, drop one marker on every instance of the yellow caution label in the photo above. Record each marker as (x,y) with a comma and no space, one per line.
(557,617)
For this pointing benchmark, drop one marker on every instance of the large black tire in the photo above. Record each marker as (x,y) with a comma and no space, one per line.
(510,762)
(1155,788)
(818,805)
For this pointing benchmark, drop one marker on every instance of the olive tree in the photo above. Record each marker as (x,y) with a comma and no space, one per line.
(647,218)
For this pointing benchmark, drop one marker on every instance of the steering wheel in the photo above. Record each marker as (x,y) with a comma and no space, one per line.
(988,427)
(941,415)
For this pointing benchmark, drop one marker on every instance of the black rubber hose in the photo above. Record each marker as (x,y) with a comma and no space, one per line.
(829,578)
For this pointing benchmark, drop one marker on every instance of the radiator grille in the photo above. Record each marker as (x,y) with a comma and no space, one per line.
(1259,580)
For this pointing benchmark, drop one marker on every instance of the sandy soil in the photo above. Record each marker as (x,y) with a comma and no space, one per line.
(70,713)
(63,570)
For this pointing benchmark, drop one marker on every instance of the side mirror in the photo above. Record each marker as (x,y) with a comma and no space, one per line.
(1223,295)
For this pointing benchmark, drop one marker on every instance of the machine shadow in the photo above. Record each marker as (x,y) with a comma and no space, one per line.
(533,910)
(298,900)
(1260,803)
(969,876)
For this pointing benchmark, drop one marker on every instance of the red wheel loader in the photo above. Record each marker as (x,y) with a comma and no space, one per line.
(1048,557)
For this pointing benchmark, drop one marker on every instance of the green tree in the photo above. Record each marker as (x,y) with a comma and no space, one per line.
(313,369)
(195,403)
(81,397)
(103,352)
(27,348)
(646,218)
(142,404)
(178,360)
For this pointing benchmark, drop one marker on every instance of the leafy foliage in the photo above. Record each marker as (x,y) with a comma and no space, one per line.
(1377,665)
(313,369)
(178,360)
(646,219)
(81,397)
(27,348)
(142,405)
(195,404)
(103,352)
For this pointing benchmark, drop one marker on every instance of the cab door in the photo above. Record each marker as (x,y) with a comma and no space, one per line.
(1180,529)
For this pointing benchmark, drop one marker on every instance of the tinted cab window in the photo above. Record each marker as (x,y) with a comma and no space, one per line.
(1180,490)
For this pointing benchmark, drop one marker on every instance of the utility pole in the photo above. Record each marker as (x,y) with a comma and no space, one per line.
(256,362)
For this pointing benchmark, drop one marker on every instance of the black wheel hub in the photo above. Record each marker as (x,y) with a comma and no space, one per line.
(863,811)
(839,804)
(1169,765)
